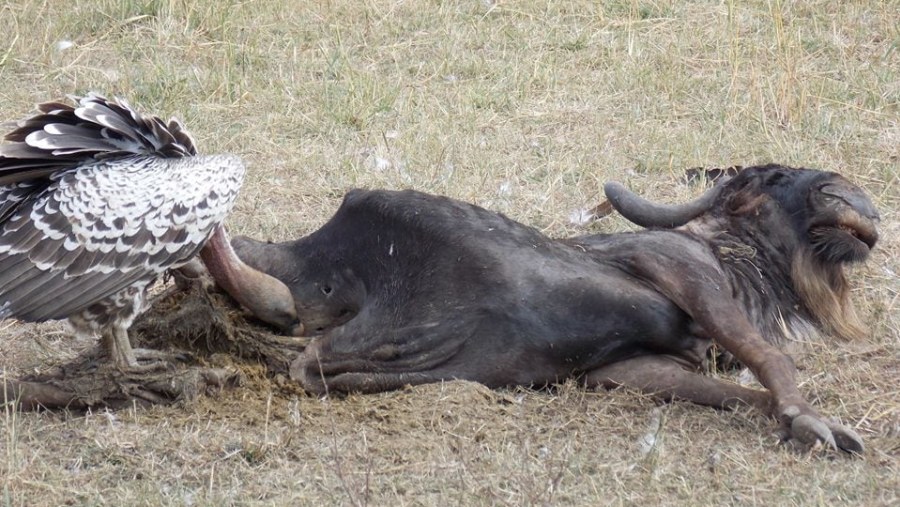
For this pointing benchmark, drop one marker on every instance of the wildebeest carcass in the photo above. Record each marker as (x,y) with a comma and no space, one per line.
(408,288)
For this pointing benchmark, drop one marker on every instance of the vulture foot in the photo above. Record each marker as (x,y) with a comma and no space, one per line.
(149,360)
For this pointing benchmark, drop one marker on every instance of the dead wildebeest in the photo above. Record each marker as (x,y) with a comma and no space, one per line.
(409,288)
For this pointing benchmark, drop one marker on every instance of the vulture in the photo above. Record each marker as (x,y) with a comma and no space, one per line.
(97,201)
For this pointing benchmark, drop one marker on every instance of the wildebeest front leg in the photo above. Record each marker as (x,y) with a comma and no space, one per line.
(703,293)
(369,359)
(775,370)
(665,378)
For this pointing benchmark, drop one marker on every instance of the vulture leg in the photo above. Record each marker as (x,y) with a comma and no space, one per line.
(265,296)
(118,347)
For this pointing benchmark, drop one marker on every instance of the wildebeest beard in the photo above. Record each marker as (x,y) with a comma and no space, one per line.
(789,293)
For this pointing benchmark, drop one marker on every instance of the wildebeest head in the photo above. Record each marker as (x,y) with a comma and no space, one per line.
(835,217)
(818,219)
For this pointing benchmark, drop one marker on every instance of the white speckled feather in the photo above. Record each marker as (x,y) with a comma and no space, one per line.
(96,201)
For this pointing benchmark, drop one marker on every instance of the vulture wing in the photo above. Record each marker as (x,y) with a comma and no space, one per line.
(95,198)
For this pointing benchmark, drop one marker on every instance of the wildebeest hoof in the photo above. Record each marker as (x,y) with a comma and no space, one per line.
(847,439)
(809,430)
(306,370)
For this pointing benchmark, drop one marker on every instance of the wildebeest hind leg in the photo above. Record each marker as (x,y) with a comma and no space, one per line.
(665,378)
(319,377)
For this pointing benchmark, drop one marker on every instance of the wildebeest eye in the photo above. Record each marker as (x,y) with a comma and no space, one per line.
(326,289)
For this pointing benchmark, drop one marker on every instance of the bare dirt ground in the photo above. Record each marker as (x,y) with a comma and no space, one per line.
(525,108)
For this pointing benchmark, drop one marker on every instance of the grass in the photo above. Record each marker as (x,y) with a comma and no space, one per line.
(524,107)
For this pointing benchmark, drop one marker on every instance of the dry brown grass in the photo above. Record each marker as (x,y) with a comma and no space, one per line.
(524,107)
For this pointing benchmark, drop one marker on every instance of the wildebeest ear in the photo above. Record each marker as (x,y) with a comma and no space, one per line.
(697,175)
(746,196)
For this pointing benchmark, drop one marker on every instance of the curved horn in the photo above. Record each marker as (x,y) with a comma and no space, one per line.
(650,214)
(268,298)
